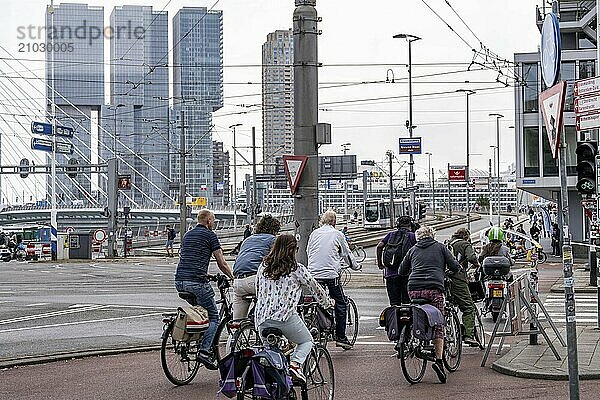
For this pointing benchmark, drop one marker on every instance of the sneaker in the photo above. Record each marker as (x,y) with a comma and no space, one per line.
(207,360)
(438,367)
(344,343)
(469,340)
(296,373)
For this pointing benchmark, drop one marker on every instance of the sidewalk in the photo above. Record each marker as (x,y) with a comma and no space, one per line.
(538,362)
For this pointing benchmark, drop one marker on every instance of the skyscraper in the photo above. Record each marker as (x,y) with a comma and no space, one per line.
(139,109)
(78,88)
(277,97)
(198,90)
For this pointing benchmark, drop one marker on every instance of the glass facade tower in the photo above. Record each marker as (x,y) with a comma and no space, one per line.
(198,90)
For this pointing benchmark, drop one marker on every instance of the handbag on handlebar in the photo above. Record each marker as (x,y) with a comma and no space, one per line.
(191,323)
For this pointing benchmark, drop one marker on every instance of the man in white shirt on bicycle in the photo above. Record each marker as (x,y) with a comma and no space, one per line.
(326,248)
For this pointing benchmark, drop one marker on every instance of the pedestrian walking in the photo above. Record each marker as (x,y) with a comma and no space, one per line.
(170,239)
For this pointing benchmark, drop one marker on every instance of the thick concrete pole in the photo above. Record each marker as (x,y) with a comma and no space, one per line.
(306,200)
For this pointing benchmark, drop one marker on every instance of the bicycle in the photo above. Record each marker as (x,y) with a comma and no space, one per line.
(179,359)
(318,370)
(308,310)
(358,252)
(414,353)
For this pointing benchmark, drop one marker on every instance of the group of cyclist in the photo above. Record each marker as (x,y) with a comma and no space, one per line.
(422,270)
(266,269)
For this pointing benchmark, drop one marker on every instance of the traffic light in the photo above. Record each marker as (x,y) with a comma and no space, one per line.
(72,171)
(24,168)
(586,167)
(124,182)
(422,210)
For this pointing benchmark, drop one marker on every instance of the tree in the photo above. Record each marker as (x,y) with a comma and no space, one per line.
(483,201)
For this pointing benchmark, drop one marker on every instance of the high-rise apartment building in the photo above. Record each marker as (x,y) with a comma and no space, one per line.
(220,174)
(139,102)
(277,97)
(78,88)
(198,91)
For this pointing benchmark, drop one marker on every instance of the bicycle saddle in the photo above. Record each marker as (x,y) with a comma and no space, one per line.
(189,297)
(420,301)
(271,331)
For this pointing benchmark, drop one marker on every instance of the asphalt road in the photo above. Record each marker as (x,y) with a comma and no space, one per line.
(51,308)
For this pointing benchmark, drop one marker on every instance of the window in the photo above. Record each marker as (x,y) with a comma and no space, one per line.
(571,141)
(550,164)
(567,73)
(531,151)
(586,69)
(530,90)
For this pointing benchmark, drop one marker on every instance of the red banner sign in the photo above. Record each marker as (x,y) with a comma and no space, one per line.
(457,173)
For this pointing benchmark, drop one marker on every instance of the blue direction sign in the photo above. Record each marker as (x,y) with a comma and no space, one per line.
(410,146)
(44,128)
(46,145)
(41,144)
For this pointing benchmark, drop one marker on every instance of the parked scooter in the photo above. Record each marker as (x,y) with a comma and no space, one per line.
(496,270)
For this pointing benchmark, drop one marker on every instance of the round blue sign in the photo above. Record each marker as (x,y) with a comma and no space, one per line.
(550,49)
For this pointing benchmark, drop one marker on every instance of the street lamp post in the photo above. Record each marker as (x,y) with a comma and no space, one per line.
(498,116)
(345,148)
(234,191)
(411,173)
(468,93)
(428,154)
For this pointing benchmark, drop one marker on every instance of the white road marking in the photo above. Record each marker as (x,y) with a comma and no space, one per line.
(49,314)
(366,318)
(80,322)
(36,304)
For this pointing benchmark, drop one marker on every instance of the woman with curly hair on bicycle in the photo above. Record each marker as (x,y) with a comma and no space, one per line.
(279,284)
(253,250)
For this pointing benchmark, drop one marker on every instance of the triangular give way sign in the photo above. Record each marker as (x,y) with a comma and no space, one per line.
(552,103)
(294,165)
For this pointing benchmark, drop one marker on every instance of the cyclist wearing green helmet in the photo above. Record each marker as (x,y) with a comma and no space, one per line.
(495,246)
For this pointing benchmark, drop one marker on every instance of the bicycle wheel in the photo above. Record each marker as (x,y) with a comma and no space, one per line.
(542,257)
(222,341)
(452,341)
(178,358)
(345,276)
(359,254)
(312,323)
(351,320)
(413,367)
(245,336)
(479,330)
(319,373)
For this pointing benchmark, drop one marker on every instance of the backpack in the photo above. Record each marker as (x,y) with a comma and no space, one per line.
(395,250)
(425,318)
(171,234)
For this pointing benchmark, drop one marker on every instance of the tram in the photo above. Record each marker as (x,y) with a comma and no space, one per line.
(377,212)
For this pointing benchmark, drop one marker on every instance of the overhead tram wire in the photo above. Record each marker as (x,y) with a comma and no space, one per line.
(146,29)
(177,43)
(77,150)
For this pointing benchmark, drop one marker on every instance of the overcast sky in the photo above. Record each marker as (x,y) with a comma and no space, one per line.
(360,32)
